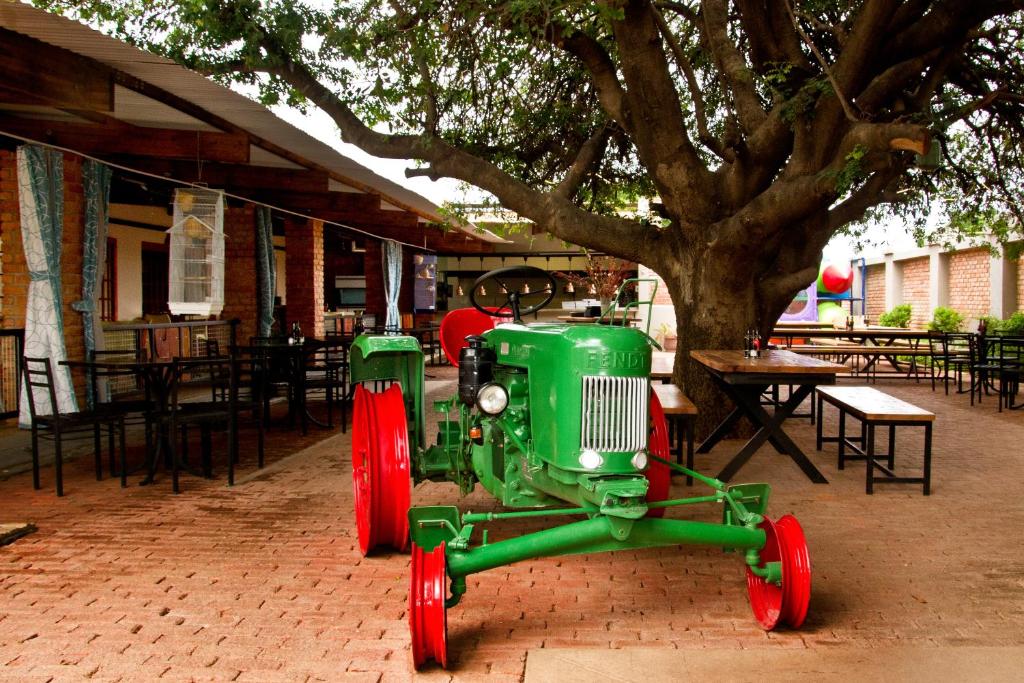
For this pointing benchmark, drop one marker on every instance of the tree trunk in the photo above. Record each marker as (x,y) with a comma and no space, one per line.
(715,302)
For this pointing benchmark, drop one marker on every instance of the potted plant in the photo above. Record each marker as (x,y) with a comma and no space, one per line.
(604,275)
(666,336)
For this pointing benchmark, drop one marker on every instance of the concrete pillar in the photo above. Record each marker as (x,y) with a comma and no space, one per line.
(893,283)
(304,265)
(1002,286)
(938,278)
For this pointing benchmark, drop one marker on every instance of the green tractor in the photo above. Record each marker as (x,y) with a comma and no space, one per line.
(552,420)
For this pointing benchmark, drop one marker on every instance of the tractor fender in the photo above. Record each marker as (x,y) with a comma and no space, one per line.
(392,357)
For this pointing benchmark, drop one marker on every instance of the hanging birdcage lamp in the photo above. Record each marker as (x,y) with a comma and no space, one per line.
(196,259)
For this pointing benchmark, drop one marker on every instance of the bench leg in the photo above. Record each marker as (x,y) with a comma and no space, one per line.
(818,427)
(842,439)
(689,448)
(892,447)
(928,459)
(870,459)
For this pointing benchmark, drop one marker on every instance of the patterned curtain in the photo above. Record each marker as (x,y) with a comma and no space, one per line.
(96,187)
(392,282)
(41,202)
(266,264)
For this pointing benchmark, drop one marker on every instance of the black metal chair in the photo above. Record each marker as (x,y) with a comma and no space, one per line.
(117,391)
(38,373)
(183,413)
(1011,369)
(325,369)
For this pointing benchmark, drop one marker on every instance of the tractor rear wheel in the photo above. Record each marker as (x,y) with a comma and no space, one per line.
(772,603)
(428,617)
(380,468)
(659,476)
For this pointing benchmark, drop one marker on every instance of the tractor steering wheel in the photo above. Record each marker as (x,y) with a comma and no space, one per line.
(514,296)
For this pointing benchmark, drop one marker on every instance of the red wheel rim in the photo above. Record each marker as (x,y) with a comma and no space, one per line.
(796,571)
(380,468)
(659,476)
(766,598)
(428,619)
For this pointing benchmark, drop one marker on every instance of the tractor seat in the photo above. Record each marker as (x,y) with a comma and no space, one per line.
(459,324)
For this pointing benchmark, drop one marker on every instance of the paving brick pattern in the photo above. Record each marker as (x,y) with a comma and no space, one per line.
(264,582)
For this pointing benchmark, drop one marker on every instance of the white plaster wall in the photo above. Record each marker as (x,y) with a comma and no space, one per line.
(129,267)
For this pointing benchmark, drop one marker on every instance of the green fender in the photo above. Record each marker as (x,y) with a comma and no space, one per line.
(393,357)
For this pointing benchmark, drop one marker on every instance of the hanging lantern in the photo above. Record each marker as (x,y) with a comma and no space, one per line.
(593,289)
(526,288)
(483,291)
(569,289)
(196,260)
(458,290)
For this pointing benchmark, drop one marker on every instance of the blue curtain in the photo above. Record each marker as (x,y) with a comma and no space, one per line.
(392,283)
(41,203)
(266,265)
(96,187)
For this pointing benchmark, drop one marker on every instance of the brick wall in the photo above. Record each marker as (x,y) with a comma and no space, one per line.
(969,282)
(1020,283)
(915,290)
(874,288)
(375,301)
(15,271)
(241,290)
(304,275)
(71,256)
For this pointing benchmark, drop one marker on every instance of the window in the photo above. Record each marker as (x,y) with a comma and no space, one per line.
(108,288)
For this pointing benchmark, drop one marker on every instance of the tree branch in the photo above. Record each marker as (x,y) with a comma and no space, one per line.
(734,72)
(588,157)
(847,109)
(700,110)
(600,66)
(871,193)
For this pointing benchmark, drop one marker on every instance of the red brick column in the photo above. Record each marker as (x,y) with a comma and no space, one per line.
(71,256)
(915,291)
(15,277)
(304,275)
(376,302)
(241,291)
(969,285)
(874,292)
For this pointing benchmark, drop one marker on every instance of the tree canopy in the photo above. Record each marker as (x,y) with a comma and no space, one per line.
(762,127)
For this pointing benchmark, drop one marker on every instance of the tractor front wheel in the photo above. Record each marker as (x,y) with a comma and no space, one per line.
(380,468)
(428,618)
(659,476)
(788,602)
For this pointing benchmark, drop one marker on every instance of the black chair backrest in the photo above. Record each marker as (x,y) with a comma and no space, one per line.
(39,373)
(118,378)
(190,370)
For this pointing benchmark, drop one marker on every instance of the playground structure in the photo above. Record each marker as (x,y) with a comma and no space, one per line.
(553,420)
(824,299)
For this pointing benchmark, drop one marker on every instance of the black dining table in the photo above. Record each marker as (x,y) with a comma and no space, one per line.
(158,377)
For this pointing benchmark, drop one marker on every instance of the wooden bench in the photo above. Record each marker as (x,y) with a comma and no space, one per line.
(871,356)
(875,408)
(680,414)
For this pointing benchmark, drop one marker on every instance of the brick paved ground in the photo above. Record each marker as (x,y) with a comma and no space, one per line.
(263,581)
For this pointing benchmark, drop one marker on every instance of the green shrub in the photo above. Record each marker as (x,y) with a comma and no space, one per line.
(992,323)
(1014,324)
(946,319)
(897,317)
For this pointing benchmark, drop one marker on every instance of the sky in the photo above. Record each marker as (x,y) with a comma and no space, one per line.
(884,238)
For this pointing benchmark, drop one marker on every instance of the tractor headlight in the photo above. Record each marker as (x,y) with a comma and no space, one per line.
(492,398)
(590,459)
(639,460)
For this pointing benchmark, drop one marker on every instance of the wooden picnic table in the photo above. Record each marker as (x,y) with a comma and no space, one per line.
(902,341)
(744,380)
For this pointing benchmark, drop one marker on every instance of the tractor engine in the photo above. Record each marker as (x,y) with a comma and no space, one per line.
(558,412)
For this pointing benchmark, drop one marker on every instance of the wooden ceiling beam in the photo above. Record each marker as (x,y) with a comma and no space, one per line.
(52,75)
(236,178)
(124,139)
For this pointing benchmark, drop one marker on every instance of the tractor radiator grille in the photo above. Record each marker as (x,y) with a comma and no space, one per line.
(614,413)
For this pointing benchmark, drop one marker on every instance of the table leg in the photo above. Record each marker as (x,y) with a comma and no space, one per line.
(721,431)
(747,399)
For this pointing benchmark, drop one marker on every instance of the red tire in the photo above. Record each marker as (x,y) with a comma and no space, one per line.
(428,617)
(786,602)
(380,469)
(659,476)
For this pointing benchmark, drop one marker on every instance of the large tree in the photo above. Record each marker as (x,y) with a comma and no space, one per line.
(763,127)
